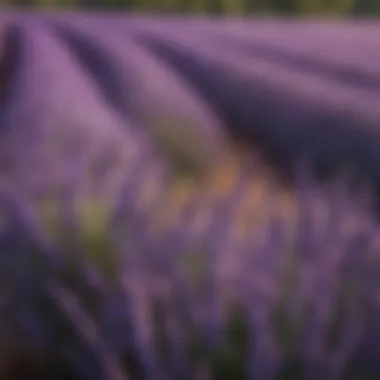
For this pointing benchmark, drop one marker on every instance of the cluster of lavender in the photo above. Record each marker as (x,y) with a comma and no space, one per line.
(291,89)
(294,298)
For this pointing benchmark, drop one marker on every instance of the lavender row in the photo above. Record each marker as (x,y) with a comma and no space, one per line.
(52,114)
(286,114)
(186,88)
(138,85)
(71,83)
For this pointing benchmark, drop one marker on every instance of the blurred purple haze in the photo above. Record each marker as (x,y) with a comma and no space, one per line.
(89,107)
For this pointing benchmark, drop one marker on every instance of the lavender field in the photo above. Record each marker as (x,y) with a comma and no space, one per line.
(188,198)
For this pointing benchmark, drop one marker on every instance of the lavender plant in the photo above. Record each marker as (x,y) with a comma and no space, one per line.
(294,298)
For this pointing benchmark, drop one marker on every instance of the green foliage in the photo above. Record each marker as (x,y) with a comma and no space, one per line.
(92,231)
(185,149)
(230,361)
(323,6)
(229,7)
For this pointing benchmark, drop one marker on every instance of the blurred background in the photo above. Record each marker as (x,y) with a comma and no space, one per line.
(239,7)
(146,232)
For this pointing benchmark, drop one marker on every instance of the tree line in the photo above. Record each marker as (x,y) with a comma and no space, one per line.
(243,7)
